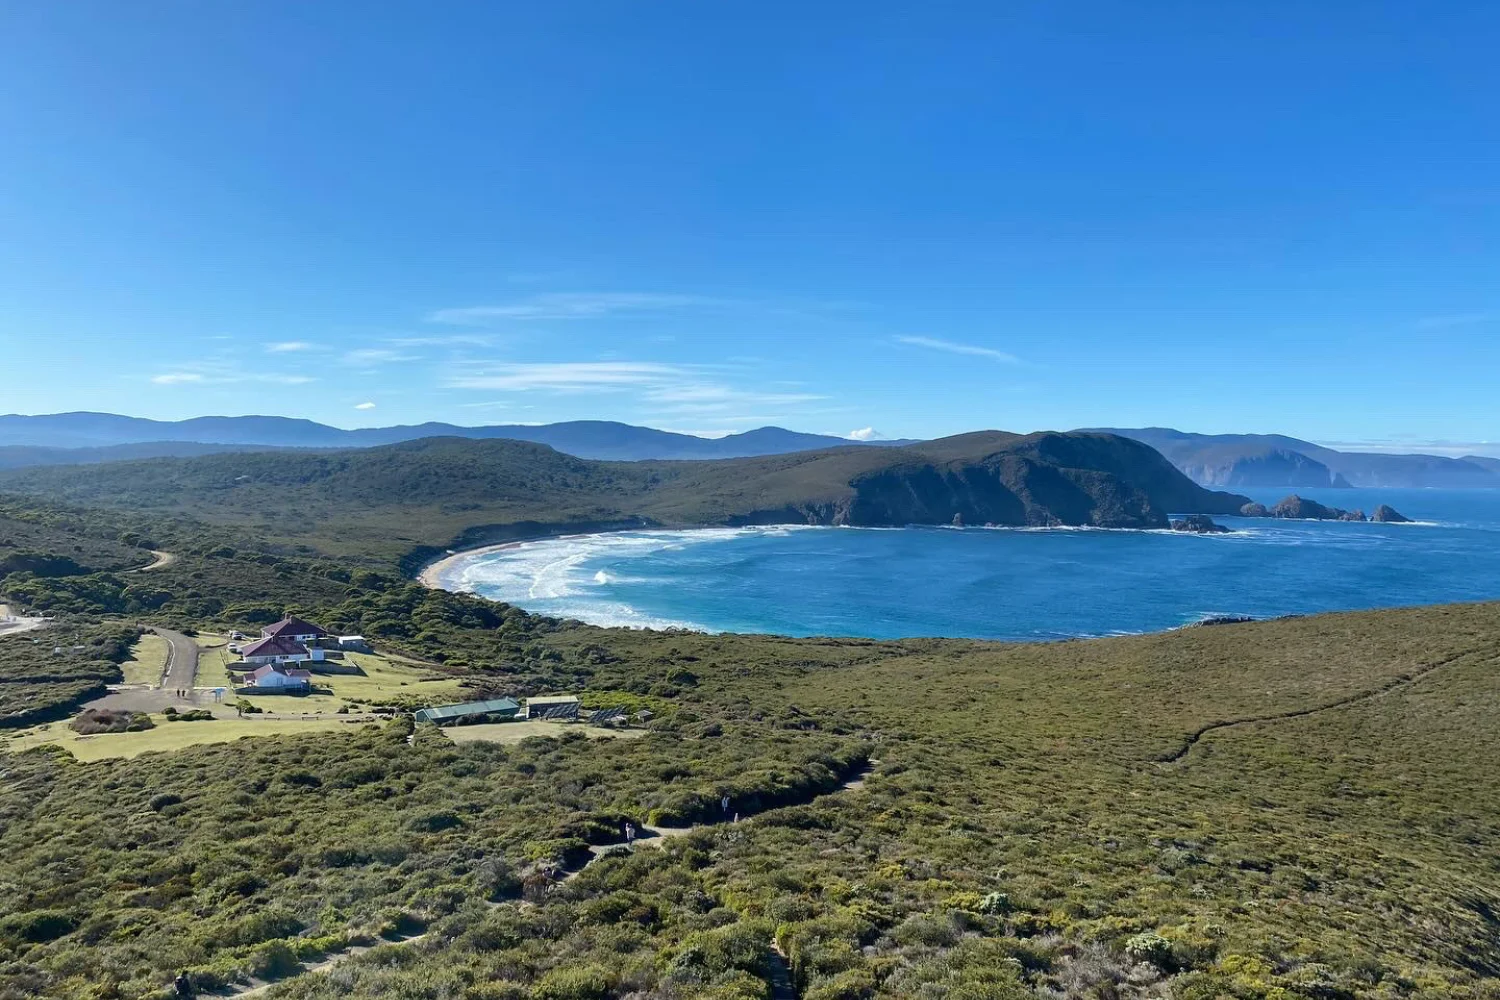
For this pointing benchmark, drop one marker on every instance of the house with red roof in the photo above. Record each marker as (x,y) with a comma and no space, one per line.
(278,649)
(295,629)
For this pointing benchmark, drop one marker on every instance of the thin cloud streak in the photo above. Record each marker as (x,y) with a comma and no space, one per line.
(570,306)
(953,347)
(569,376)
(289,346)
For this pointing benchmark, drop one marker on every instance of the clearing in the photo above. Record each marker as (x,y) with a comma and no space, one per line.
(148,658)
(166,736)
(386,680)
(515,732)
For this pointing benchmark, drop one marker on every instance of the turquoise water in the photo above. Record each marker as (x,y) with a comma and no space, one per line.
(1005,583)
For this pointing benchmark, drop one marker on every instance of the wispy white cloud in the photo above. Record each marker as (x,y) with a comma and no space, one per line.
(176,378)
(864,434)
(570,305)
(370,357)
(953,347)
(673,392)
(364,406)
(707,398)
(289,346)
(214,373)
(449,340)
(569,376)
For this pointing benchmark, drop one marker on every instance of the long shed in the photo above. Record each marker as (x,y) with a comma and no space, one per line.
(494,710)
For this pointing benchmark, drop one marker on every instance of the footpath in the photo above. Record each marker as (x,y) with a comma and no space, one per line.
(656,836)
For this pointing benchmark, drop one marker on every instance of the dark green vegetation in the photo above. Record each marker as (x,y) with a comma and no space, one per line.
(45,675)
(437,492)
(1294,810)
(1020,835)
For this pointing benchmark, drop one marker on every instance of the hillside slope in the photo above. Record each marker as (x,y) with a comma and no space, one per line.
(431,491)
(1252,460)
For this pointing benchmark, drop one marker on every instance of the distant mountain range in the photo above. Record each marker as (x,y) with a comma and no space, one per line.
(1274,460)
(1222,460)
(448,491)
(81,438)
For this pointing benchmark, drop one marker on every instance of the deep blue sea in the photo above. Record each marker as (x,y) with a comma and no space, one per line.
(1005,583)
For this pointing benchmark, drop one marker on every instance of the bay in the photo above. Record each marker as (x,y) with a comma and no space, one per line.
(1005,583)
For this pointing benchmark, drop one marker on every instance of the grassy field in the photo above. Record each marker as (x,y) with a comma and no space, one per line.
(515,732)
(148,657)
(386,679)
(213,654)
(167,736)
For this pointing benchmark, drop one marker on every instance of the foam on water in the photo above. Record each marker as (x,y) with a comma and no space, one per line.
(1015,583)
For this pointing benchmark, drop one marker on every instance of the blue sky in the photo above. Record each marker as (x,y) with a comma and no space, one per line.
(919,219)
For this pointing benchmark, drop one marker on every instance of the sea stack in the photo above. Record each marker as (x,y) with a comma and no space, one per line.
(1389,515)
(1198,524)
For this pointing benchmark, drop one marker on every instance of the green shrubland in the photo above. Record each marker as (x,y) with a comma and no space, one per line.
(1302,809)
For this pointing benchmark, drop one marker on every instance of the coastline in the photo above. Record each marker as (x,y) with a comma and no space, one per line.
(432,575)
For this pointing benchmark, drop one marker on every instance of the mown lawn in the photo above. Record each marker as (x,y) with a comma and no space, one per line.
(166,736)
(148,657)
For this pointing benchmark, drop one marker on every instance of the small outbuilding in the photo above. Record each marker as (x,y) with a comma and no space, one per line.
(494,710)
(557,707)
(354,644)
(275,679)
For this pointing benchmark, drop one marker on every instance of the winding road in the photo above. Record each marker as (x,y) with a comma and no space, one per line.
(182,661)
(162,561)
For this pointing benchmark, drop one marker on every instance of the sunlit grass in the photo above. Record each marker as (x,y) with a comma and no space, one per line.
(148,657)
(167,736)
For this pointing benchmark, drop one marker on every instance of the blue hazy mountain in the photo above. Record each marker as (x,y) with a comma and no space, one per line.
(1256,460)
(73,438)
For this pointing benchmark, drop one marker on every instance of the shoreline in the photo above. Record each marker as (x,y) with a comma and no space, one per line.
(431,575)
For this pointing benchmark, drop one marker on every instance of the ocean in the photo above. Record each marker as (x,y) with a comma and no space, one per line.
(1005,583)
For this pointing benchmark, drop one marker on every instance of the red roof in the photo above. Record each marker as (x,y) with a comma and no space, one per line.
(278,645)
(292,626)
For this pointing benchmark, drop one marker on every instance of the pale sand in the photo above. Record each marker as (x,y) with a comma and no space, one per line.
(433,575)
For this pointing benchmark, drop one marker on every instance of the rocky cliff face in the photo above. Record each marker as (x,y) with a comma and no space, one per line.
(1041,480)
(1271,467)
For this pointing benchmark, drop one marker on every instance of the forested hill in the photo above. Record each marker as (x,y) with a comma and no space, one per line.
(428,492)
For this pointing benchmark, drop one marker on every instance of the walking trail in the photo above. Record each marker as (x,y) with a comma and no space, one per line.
(781,981)
(163,560)
(1402,682)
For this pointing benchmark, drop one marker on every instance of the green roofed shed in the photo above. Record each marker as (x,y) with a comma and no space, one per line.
(470,711)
